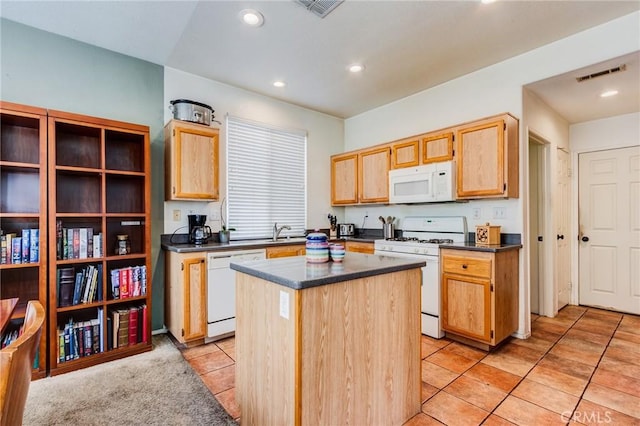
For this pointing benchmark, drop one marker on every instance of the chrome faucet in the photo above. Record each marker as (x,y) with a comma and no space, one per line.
(276,230)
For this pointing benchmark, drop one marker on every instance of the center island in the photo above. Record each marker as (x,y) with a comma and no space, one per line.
(329,343)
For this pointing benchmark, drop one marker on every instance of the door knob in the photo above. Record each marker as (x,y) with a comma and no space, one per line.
(560,236)
(585,238)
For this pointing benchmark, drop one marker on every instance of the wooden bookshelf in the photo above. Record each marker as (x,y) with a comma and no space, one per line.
(23,205)
(99,180)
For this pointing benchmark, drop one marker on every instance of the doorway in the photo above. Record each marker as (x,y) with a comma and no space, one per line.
(538,195)
(609,229)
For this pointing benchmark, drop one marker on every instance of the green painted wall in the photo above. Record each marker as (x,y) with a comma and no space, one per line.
(46,70)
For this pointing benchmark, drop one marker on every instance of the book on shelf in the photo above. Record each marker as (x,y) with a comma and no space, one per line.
(66,285)
(3,249)
(89,242)
(130,281)
(75,232)
(133,325)
(59,240)
(97,245)
(124,283)
(26,244)
(145,327)
(16,250)
(34,246)
(123,328)
(82,243)
(79,339)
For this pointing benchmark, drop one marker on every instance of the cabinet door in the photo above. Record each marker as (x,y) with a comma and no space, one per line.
(466,306)
(344,179)
(285,251)
(373,175)
(194,298)
(487,158)
(192,157)
(405,153)
(438,147)
(359,247)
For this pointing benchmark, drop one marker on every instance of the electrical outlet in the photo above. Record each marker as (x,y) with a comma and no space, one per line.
(499,213)
(177,214)
(477,212)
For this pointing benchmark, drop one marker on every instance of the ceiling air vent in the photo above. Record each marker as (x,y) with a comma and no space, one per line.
(320,8)
(601,73)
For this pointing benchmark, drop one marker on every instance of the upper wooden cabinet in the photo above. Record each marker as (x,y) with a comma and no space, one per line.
(405,153)
(344,179)
(373,175)
(487,158)
(191,158)
(360,176)
(437,147)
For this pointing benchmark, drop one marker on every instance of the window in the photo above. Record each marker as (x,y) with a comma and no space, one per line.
(266,179)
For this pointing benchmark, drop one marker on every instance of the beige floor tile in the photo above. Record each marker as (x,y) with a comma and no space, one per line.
(440,343)
(524,413)
(567,366)
(631,347)
(563,321)
(476,392)
(588,336)
(426,349)
(616,400)
(451,361)
(228,401)
(576,353)
(427,391)
(494,420)
(545,396)
(508,363)
(196,351)
(602,315)
(630,324)
(593,325)
(228,345)
(590,413)
(572,312)
(628,336)
(465,351)
(558,380)
(453,411)
(220,380)
(622,354)
(437,376)
(493,376)
(536,343)
(620,367)
(541,325)
(422,420)
(210,361)
(619,382)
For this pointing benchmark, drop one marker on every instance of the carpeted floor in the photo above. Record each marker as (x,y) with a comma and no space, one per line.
(153,388)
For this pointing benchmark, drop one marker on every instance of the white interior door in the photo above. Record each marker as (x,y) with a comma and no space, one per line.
(563,249)
(609,220)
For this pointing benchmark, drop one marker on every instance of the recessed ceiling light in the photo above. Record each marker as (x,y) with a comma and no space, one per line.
(608,93)
(356,68)
(252,17)
(279,83)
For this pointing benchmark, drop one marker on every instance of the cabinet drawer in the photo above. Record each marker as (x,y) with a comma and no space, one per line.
(467,266)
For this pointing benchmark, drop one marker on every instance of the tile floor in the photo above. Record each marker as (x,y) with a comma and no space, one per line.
(581,367)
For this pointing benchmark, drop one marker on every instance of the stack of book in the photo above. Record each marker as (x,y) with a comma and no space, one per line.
(129,282)
(127,326)
(77,243)
(22,247)
(80,339)
(82,286)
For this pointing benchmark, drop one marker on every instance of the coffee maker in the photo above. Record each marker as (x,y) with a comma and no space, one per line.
(199,233)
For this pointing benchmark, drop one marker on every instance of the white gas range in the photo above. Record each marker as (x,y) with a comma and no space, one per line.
(421,238)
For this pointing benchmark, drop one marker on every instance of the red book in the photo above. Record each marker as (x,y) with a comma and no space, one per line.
(124,283)
(133,326)
(144,324)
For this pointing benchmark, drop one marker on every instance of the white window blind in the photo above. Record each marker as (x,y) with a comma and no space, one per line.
(266,179)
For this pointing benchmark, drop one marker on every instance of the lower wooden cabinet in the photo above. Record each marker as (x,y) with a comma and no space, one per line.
(479,294)
(185,305)
(358,247)
(286,251)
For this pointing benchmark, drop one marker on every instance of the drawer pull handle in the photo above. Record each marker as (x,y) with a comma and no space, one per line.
(464,266)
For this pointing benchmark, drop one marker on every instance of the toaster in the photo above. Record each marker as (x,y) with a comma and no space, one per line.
(346,230)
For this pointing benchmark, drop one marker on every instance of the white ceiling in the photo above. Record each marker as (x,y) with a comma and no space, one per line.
(406,46)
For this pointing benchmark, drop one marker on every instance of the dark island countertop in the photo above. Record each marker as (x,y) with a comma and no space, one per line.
(183,247)
(471,245)
(296,273)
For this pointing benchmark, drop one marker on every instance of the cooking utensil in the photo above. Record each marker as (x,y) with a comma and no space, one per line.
(381,219)
(389,219)
(195,112)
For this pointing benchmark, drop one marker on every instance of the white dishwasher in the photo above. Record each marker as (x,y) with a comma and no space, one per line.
(221,289)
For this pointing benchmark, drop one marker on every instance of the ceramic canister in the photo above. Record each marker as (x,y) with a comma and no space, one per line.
(317,248)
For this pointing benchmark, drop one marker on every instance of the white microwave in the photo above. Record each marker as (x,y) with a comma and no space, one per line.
(429,183)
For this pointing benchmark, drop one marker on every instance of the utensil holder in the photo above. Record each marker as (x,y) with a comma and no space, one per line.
(388,230)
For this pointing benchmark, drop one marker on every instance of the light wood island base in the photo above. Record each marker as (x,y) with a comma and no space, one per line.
(348,353)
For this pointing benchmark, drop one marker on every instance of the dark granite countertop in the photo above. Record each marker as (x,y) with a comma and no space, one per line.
(296,273)
(184,247)
(471,245)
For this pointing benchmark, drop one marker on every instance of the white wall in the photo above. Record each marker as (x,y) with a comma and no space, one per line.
(489,91)
(324,138)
